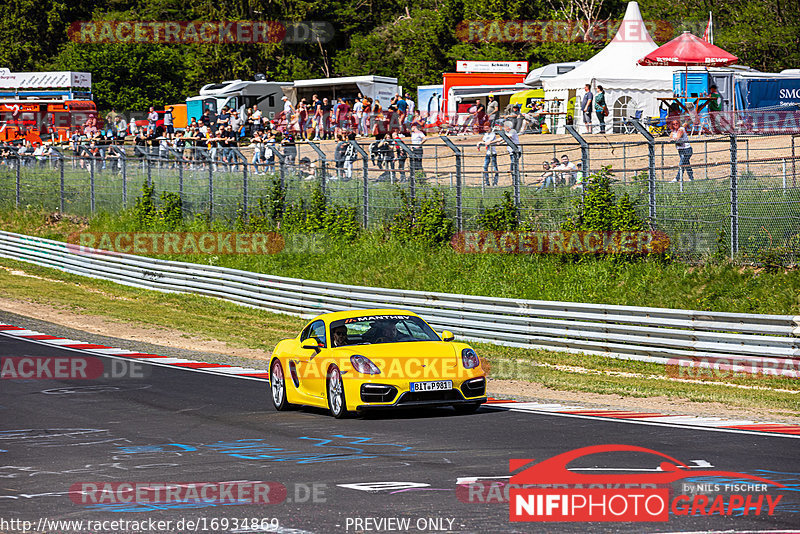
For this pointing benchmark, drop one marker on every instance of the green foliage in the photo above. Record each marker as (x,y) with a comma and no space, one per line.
(773,256)
(423,219)
(599,209)
(315,216)
(502,217)
(128,77)
(168,215)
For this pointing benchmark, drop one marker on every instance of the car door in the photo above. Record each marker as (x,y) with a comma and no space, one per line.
(307,361)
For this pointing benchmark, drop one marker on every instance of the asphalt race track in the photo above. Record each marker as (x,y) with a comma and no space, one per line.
(167,425)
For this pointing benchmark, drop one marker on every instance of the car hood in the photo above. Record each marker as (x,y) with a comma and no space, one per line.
(412,350)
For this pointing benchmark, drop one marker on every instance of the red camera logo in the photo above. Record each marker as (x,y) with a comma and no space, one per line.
(548,491)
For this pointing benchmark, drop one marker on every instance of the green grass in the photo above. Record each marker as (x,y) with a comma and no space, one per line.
(373,260)
(210,318)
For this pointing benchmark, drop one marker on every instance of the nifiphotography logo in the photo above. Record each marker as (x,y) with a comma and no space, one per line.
(548,491)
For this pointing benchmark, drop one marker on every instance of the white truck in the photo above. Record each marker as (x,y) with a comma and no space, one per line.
(238,95)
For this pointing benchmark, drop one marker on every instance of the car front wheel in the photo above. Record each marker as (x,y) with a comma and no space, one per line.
(277,383)
(336,400)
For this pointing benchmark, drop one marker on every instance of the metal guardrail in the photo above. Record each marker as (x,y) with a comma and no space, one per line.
(649,334)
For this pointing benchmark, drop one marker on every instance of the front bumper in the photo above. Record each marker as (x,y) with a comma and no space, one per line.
(383,396)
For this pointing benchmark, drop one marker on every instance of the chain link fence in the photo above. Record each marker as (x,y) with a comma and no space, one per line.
(738,195)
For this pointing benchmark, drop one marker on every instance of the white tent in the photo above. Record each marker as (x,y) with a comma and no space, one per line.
(629,86)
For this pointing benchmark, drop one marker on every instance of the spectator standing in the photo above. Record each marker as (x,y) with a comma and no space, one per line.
(586,107)
(365,116)
(236,124)
(417,140)
(256,124)
(600,108)
(493,111)
(169,128)
(410,103)
(302,118)
(152,119)
(111,116)
(490,140)
(681,140)
(513,155)
(358,111)
(327,108)
(343,116)
(288,108)
(402,110)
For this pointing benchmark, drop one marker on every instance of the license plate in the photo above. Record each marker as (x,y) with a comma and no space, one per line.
(437,385)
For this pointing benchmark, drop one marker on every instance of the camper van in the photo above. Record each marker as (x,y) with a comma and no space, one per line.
(238,95)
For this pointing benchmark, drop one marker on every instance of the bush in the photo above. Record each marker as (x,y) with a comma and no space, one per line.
(599,209)
(503,217)
(423,219)
(147,215)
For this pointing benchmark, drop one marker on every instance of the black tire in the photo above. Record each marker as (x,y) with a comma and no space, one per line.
(277,386)
(466,409)
(335,391)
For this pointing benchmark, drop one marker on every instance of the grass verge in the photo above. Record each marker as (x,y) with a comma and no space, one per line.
(373,260)
(258,329)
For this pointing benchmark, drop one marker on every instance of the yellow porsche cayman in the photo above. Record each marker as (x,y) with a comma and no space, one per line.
(366,359)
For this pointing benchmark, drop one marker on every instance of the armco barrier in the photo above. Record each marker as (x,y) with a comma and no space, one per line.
(649,334)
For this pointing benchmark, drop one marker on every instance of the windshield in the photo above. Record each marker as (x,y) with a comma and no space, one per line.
(373,329)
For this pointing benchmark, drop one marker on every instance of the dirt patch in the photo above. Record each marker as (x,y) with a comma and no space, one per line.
(124,330)
(536,392)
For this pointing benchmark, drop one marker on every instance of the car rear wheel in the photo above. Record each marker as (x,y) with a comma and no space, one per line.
(277,384)
(464,409)
(336,401)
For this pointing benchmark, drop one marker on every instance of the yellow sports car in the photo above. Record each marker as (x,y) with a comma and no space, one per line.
(365,359)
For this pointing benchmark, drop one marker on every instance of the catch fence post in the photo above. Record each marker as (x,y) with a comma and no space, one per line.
(734,199)
(459,182)
(210,191)
(365,191)
(323,160)
(515,157)
(62,188)
(18,195)
(651,166)
(412,181)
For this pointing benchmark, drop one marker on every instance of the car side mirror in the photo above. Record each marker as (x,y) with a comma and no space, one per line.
(310,344)
(447,335)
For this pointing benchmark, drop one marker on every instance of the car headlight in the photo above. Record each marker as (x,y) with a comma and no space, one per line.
(470,359)
(364,365)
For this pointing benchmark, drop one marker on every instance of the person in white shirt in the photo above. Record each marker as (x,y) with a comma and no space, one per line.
(490,140)
(417,140)
(358,110)
(288,109)
(569,172)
